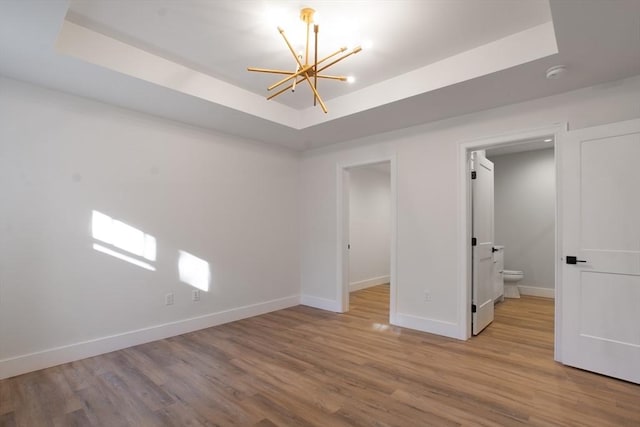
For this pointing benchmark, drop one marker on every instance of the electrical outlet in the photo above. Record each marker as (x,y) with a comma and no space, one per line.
(168,299)
(427,296)
(195,295)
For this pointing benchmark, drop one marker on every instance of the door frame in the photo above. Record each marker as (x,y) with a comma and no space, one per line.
(342,262)
(558,131)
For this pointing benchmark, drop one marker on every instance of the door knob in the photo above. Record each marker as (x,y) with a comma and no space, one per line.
(574,260)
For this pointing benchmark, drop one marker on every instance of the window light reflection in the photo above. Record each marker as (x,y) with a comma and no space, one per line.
(380,326)
(194,271)
(122,237)
(123,257)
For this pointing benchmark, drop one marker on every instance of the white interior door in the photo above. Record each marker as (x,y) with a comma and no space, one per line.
(600,184)
(482,243)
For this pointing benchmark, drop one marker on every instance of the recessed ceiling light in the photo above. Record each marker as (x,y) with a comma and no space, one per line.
(351,79)
(548,140)
(556,72)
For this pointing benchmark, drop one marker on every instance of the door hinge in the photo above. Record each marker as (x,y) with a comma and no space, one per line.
(473,175)
(473,308)
(474,241)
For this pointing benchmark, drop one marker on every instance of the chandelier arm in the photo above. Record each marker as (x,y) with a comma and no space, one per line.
(269,70)
(293,89)
(324,107)
(353,52)
(292,75)
(324,76)
(300,80)
(306,75)
(320,76)
(292,85)
(304,69)
(315,64)
(281,91)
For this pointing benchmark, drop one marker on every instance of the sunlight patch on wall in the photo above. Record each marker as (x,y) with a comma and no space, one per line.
(123,257)
(122,237)
(194,271)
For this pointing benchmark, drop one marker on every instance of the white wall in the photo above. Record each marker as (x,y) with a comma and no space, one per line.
(225,200)
(369,226)
(525,214)
(428,208)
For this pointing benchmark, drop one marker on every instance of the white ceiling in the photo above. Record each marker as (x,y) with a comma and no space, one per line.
(431,59)
(222,38)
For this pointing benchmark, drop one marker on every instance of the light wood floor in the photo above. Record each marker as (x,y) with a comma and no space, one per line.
(303,366)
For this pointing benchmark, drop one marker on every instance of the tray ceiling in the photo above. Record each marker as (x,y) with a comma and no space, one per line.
(430,60)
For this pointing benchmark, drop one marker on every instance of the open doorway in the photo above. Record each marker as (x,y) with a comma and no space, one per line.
(523,251)
(367,234)
(513,227)
(523,216)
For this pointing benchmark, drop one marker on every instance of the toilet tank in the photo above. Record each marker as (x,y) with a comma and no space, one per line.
(498,268)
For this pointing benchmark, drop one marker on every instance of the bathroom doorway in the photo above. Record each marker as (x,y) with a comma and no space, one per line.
(524,217)
(527,160)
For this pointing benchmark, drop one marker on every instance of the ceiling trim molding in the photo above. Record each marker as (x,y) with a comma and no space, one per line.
(98,49)
(517,49)
(93,47)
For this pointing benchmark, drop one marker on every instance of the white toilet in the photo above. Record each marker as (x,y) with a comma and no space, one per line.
(511,279)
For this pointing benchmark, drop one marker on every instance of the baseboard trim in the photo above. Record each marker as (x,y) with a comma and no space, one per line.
(536,291)
(431,326)
(363,284)
(55,356)
(321,303)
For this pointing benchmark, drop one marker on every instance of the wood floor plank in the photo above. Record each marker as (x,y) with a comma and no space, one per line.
(76,418)
(8,420)
(308,367)
(7,396)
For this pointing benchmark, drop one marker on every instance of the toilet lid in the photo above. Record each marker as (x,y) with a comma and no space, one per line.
(512,272)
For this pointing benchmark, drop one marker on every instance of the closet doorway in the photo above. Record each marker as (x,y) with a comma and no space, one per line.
(366,234)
